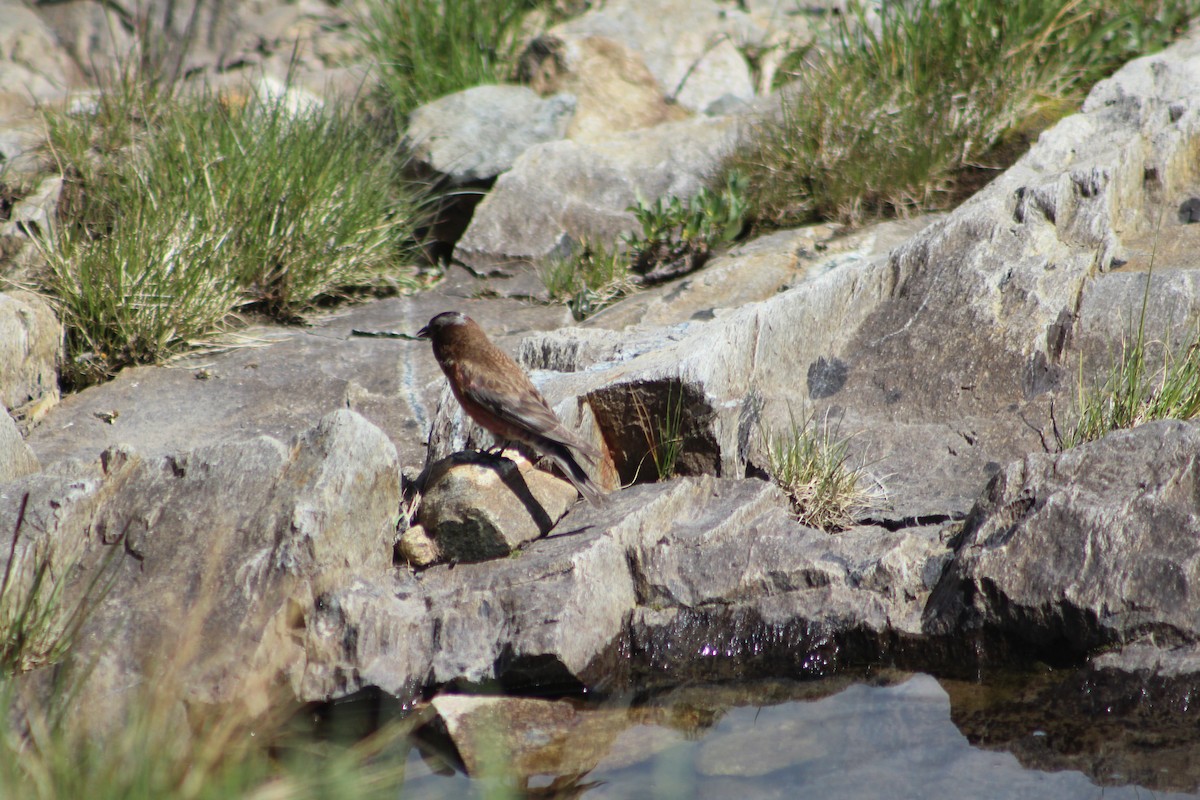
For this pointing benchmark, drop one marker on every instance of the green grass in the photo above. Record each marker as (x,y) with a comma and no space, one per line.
(915,116)
(1135,389)
(664,434)
(425,49)
(591,278)
(811,463)
(182,209)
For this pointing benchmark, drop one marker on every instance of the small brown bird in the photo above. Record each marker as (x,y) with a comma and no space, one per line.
(497,394)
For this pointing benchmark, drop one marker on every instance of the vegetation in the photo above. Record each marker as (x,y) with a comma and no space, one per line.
(912,113)
(592,277)
(676,236)
(181,209)
(664,434)
(429,48)
(675,230)
(1135,390)
(812,466)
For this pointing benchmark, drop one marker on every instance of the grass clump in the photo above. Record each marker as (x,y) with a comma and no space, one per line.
(181,209)
(903,116)
(591,278)
(812,466)
(1134,390)
(429,48)
(664,434)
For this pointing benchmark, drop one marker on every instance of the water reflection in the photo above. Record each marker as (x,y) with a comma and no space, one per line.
(893,737)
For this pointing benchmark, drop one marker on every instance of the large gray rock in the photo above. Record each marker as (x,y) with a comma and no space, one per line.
(660,569)
(280,384)
(476,134)
(562,193)
(1093,547)
(222,552)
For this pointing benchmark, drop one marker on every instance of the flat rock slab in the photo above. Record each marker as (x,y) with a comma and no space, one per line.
(279,383)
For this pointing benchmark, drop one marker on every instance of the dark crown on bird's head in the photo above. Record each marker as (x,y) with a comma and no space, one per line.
(447,319)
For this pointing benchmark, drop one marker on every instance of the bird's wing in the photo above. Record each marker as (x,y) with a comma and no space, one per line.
(524,407)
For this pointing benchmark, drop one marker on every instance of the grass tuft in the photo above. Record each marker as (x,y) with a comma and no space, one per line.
(181,210)
(812,466)
(591,278)
(429,48)
(911,114)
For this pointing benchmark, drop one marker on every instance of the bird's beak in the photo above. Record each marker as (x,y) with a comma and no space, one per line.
(423,333)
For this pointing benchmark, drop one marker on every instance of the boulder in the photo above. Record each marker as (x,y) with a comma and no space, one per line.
(1094,547)
(476,134)
(687,45)
(614,90)
(225,551)
(559,194)
(479,507)
(16,459)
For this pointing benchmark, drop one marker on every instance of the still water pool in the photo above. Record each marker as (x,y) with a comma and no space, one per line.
(891,737)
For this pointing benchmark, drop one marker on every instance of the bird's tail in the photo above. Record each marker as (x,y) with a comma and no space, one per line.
(565,459)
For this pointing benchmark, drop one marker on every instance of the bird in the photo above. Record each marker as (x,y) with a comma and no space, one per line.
(494,391)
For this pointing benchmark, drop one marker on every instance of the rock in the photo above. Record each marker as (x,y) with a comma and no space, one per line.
(755,271)
(480,507)
(1073,552)
(34,214)
(33,66)
(16,459)
(417,549)
(370,632)
(278,386)
(614,90)
(30,349)
(227,549)
(53,528)
(561,193)
(476,134)
(686,44)
(523,736)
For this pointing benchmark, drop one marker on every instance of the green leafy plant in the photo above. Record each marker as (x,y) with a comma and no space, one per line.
(811,463)
(180,210)
(913,111)
(673,230)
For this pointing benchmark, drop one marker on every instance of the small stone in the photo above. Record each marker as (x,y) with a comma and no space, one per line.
(416,548)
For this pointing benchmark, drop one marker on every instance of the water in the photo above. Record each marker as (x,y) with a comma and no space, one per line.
(892,737)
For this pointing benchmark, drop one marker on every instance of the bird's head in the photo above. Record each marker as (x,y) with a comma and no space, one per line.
(441,325)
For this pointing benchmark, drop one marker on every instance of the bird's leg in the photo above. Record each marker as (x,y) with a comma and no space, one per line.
(497,449)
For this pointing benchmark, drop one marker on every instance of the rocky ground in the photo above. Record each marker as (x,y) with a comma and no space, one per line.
(255,492)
